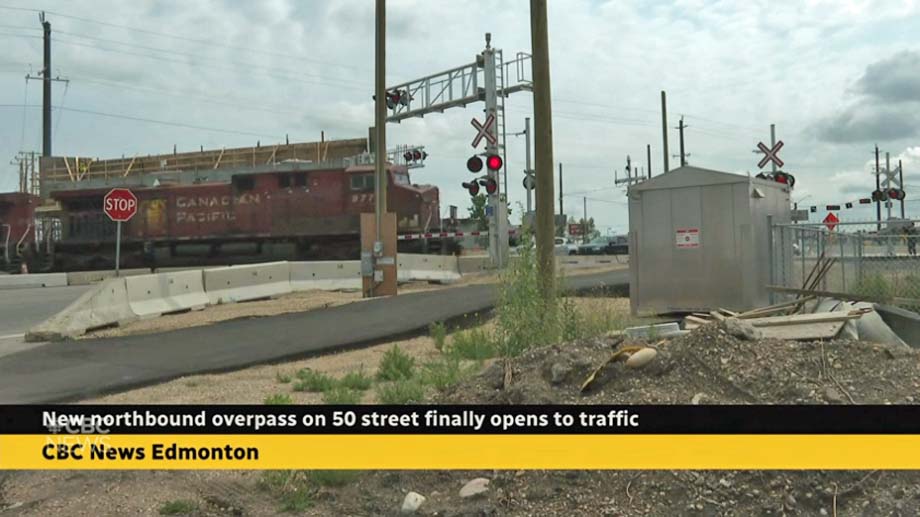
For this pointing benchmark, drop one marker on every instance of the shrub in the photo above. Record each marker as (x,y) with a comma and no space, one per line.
(278,399)
(332,478)
(341,395)
(356,380)
(475,344)
(290,487)
(445,372)
(404,391)
(438,332)
(395,365)
(313,381)
(282,378)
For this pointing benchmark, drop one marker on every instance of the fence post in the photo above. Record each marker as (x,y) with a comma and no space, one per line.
(843,265)
(772,261)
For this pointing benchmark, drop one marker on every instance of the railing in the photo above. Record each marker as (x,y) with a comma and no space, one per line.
(855,260)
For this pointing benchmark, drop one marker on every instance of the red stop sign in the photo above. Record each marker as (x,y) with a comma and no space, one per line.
(120,204)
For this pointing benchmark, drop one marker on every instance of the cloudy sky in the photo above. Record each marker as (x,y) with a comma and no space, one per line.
(836,77)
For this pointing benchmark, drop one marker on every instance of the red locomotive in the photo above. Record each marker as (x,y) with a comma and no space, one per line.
(293,209)
(17,228)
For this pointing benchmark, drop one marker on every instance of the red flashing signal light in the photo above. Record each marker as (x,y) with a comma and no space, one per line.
(472,187)
(490,184)
(494,162)
(416,155)
(408,156)
(474,164)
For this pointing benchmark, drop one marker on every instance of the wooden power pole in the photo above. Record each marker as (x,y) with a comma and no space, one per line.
(543,143)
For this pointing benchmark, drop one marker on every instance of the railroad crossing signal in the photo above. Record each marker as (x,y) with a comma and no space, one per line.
(529,182)
(120,204)
(484,130)
(770,154)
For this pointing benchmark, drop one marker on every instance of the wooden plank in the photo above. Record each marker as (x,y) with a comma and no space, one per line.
(221,155)
(130,165)
(772,309)
(845,296)
(728,313)
(804,319)
(69,173)
(827,330)
(696,320)
(717,315)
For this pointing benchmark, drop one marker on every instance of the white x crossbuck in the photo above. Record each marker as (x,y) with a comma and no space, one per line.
(484,131)
(770,154)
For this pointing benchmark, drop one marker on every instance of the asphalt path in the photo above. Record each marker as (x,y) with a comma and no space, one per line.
(73,370)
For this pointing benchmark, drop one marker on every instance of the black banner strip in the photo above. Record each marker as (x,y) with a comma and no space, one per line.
(460,419)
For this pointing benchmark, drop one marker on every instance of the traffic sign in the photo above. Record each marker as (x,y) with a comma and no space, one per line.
(831,221)
(120,204)
(484,130)
(770,154)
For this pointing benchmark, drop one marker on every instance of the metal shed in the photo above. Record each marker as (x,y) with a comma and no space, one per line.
(700,239)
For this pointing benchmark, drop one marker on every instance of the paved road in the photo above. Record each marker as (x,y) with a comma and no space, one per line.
(22,308)
(79,369)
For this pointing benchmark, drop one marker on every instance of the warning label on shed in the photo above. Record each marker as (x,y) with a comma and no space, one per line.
(688,237)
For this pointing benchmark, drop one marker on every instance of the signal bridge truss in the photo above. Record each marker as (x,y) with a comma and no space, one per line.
(458,87)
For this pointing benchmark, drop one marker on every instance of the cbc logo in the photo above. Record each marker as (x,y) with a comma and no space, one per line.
(63,451)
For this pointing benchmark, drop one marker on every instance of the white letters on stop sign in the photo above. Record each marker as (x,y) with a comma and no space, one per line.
(121,205)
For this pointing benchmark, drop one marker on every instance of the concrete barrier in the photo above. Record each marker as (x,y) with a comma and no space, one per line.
(467,264)
(92,277)
(162,293)
(442,268)
(33,280)
(102,306)
(326,275)
(250,282)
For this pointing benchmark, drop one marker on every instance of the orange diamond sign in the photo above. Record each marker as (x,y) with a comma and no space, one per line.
(831,221)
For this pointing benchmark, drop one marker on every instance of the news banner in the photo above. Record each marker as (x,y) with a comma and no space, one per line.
(458,437)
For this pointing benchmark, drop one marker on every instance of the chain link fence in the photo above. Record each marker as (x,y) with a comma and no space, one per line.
(866,260)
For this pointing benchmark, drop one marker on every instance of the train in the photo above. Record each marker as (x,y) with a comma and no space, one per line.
(292,209)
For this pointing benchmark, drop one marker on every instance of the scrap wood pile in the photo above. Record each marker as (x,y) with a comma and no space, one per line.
(786,320)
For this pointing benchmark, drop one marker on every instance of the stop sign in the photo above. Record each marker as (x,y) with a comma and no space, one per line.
(120,204)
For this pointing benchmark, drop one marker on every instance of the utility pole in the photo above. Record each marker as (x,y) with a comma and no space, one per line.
(584,222)
(380,131)
(680,127)
(888,183)
(543,111)
(561,211)
(529,171)
(901,181)
(648,156)
(46,90)
(664,130)
(878,186)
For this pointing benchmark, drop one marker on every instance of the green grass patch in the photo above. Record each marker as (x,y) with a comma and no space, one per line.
(396,365)
(179,507)
(278,399)
(356,380)
(438,332)
(446,372)
(290,487)
(341,395)
(332,478)
(313,381)
(475,344)
(404,391)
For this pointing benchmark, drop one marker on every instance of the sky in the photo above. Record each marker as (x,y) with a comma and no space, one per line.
(835,77)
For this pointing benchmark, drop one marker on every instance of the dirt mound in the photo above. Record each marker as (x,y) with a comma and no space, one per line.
(706,366)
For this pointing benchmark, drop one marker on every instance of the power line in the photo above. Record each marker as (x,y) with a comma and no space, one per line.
(182,38)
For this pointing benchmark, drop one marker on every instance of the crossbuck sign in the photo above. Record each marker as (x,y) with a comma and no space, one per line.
(484,131)
(770,154)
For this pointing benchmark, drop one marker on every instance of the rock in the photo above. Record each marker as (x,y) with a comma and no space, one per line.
(742,329)
(833,395)
(697,399)
(412,502)
(558,372)
(641,357)
(475,487)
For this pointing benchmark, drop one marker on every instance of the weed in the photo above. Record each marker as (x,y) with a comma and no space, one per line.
(282,378)
(874,286)
(475,344)
(445,372)
(290,487)
(395,365)
(404,391)
(356,380)
(179,507)
(438,332)
(341,395)
(313,381)
(278,399)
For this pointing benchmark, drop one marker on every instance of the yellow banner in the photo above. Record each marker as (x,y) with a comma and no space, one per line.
(100,452)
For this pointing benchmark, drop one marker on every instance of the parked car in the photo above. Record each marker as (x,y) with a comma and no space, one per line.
(619,245)
(565,247)
(597,246)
